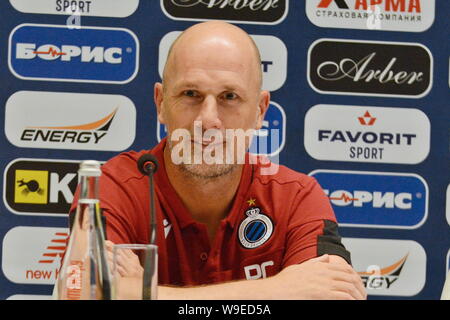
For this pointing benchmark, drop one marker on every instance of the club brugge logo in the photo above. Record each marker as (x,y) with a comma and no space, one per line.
(256,229)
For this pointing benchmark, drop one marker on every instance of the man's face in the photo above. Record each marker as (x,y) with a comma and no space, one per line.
(211,88)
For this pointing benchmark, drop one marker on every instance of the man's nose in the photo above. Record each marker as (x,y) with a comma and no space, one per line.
(209,114)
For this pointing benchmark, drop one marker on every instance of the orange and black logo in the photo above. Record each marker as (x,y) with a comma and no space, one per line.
(85,133)
(39,186)
(383,278)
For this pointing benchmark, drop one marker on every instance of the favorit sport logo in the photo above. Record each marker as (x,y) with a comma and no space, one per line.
(375,199)
(385,15)
(87,54)
(367,134)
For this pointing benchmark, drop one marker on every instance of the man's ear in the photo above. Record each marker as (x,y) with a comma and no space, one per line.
(263,105)
(158,97)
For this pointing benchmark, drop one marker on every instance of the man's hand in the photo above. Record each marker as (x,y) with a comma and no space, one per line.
(127,273)
(326,277)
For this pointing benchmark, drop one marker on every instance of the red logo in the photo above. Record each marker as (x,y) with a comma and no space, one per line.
(340,3)
(389,5)
(367,119)
(56,249)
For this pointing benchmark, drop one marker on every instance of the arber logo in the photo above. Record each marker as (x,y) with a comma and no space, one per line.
(375,199)
(384,15)
(367,134)
(40,187)
(87,54)
(59,120)
(248,11)
(370,68)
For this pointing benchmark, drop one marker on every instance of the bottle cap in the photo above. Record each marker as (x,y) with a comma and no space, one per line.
(90,168)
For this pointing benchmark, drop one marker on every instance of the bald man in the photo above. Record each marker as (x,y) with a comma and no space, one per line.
(226,229)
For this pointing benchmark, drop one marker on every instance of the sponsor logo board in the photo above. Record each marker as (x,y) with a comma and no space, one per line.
(370,68)
(273,58)
(40,186)
(375,199)
(99,8)
(384,15)
(389,267)
(33,255)
(61,120)
(367,134)
(85,54)
(251,11)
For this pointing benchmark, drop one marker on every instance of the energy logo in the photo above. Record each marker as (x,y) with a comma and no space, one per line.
(40,187)
(66,120)
(389,267)
(31,186)
(85,133)
(382,278)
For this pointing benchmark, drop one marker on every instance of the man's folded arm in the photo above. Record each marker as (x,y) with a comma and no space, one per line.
(325,277)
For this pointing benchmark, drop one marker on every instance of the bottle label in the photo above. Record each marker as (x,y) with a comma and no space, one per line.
(73,282)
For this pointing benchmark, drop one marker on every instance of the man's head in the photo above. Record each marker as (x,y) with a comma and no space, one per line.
(212,76)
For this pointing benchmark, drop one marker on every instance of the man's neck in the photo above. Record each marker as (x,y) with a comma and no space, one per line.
(208,199)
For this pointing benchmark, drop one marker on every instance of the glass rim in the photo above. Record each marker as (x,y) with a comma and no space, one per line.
(134,246)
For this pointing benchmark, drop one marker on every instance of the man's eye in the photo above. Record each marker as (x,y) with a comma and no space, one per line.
(190,93)
(230,96)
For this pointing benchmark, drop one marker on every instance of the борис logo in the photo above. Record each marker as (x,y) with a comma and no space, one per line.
(249,11)
(367,134)
(375,199)
(355,67)
(382,15)
(87,54)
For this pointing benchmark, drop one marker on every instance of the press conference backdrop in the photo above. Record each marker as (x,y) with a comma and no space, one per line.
(360,101)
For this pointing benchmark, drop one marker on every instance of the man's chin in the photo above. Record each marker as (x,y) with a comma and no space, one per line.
(205,171)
